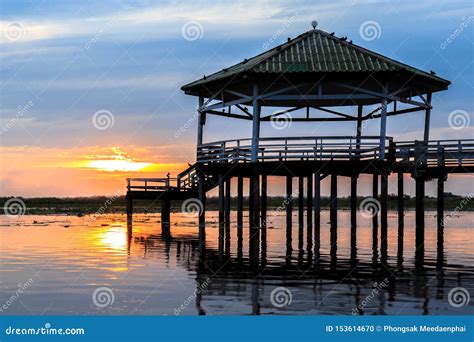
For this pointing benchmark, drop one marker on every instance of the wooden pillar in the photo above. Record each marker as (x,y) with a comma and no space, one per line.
(383,212)
(129,201)
(201,121)
(317,213)
(255,124)
(240,215)
(420,215)
(254,211)
(440,211)
(227,215)
(202,214)
(289,212)
(263,210)
(263,202)
(165,217)
(353,212)
(359,127)
(375,222)
(309,212)
(383,125)
(221,214)
(300,211)
(333,201)
(426,134)
(401,215)
(333,211)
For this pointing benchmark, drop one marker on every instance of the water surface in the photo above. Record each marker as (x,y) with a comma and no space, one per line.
(59,261)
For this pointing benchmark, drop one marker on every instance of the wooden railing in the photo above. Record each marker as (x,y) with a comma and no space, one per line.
(293,148)
(436,152)
(186,180)
(151,184)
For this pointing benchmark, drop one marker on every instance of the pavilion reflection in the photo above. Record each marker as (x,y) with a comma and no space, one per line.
(320,282)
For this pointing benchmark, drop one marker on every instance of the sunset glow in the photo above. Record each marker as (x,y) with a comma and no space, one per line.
(117,165)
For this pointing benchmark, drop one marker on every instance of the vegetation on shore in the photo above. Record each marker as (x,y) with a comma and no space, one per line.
(103,204)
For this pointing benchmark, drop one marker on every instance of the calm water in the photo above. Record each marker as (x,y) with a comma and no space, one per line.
(59,261)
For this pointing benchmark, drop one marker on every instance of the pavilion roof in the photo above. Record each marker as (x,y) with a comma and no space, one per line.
(313,53)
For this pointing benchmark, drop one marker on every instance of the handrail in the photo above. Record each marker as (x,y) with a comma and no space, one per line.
(293,148)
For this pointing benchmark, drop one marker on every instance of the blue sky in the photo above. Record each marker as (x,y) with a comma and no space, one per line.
(73,58)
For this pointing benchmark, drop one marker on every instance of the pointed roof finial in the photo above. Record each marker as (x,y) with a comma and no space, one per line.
(314,23)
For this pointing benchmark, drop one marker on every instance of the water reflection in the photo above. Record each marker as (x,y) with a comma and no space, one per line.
(154,270)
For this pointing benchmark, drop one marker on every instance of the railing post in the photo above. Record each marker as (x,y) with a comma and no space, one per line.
(459,153)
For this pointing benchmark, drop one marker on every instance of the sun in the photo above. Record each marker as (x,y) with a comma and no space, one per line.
(119,161)
(117,165)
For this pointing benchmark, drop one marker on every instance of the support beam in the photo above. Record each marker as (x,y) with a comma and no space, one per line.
(333,210)
(227,202)
(221,213)
(300,211)
(401,215)
(309,213)
(201,121)
(263,201)
(255,123)
(426,135)
(240,215)
(383,213)
(165,218)
(420,216)
(353,211)
(254,213)
(440,220)
(375,222)
(129,201)
(227,215)
(359,127)
(202,214)
(317,214)
(383,126)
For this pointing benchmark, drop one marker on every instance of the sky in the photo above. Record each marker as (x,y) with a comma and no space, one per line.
(90,90)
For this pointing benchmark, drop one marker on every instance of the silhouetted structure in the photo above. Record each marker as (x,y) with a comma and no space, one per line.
(312,78)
